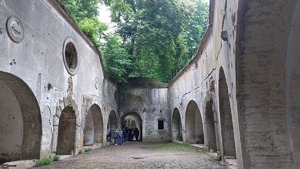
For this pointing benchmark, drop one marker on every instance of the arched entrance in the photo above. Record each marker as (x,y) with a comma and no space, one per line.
(132,121)
(176,126)
(292,73)
(93,130)
(66,132)
(226,118)
(20,122)
(193,124)
(210,126)
(112,121)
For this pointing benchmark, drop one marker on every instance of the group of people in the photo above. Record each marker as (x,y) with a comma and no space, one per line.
(124,135)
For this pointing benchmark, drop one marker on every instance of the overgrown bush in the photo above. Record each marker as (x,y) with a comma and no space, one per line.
(44,161)
(56,157)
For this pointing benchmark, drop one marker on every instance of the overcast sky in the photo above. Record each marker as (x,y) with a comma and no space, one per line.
(104,14)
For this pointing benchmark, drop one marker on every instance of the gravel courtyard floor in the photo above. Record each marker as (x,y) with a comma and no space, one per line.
(137,155)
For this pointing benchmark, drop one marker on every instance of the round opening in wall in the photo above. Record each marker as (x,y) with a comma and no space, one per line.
(70,55)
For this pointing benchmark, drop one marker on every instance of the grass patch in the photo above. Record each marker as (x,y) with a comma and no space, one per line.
(56,157)
(88,167)
(158,166)
(216,158)
(179,147)
(87,149)
(44,161)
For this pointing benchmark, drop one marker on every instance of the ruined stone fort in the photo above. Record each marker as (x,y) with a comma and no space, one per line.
(239,95)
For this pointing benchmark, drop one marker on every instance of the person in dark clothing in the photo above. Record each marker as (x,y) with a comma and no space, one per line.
(130,135)
(136,133)
(108,137)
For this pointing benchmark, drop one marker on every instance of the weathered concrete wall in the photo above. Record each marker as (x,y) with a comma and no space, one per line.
(264,70)
(239,95)
(11,120)
(37,61)
(150,103)
(200,82)
(244,81)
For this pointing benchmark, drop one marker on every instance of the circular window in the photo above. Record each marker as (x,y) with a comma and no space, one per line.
(70,55)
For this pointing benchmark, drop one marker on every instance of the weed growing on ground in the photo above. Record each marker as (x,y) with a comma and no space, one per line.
(179,147)
(44,161)
(216,158)
(56,157)
(87,149)
(158,166)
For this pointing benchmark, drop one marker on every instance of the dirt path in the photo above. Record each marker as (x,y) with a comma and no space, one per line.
(136,155)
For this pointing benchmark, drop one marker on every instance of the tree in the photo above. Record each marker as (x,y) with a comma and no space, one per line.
(194,30)
(115,58)
(155,38)
(84,13)
(150,32)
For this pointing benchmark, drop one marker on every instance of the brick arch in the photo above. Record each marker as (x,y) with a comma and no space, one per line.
(193,124)
(93,130)
(66,132)
(20,120)
(227,133)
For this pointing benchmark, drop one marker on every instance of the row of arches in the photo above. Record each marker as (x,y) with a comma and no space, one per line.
(21,123)
(213,127)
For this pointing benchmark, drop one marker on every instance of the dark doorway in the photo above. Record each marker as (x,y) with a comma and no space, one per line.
(93,130)
(20,122)
(176,126)
(210,126)
(226,117)
(193,123)
(66,132)
(132,121)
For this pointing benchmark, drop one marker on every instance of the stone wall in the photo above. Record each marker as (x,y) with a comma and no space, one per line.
(239,95)
(44,53)
(148,100)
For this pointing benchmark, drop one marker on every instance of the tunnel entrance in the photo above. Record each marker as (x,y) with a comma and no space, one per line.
(176,126)
(133,123)
(20,122)
(210,126)
(66,132)
(193,123)
(93,130)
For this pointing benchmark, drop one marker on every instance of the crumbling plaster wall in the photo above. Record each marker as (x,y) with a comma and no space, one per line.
(199,80)
(265,70)
(38,61)
(151,104)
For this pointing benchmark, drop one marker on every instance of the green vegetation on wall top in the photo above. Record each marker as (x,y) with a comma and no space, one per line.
(153,39)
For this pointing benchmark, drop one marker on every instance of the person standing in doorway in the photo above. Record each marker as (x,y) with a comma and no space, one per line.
(136,133)
(115,134)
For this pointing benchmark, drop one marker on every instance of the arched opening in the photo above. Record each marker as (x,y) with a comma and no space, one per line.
(112,121)
(210,126)
(133,126)
(292,73)
(226,117)
(93,130)
(20,122)
(176,126)
(66,132)
(193,123)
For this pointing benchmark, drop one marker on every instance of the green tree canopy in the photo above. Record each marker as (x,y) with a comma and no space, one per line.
(154,38)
